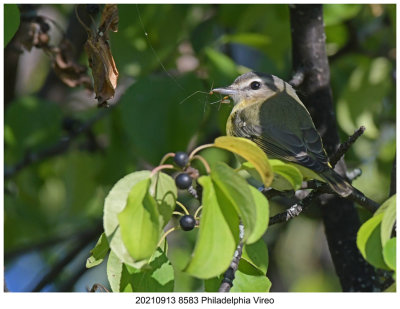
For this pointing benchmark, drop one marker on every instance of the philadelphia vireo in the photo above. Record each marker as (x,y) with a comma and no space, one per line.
(268,111)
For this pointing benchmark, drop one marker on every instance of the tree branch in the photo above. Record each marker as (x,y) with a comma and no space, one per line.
(339,215)
(344,147)
(229,275)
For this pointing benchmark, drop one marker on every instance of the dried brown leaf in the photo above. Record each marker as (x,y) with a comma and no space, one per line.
(66,68)
(109,19)
(101,61)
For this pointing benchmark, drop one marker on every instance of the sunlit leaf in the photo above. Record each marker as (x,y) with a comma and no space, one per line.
(389,253)
(224,67)
(250,279)
(337,13)
(113,205)
(249,151)
(391,288)
(98,253)
(236,190)
(257,255)
(215,244)
(139,222)
(256,40)
(369,241)
(158,276)
(286,176)
(262,210)
(114,271)
(388,209)
(164,190)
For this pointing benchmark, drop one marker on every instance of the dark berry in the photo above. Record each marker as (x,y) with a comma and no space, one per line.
(187,222)
(183,181)
(181,158)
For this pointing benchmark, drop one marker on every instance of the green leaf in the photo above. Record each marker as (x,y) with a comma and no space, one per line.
(213,284)
(221,66)
(44,132)
(391,288)
(257,255)
(114,271)
(261,206)
(99,252)
(286,176)
(338,13)
(250,152)
(142,113)
(236,190)
(158,276)
(139,222)
(215,244)
(164,190)
(256,40)
(250,279)
(11,21)
(389,218)
(389,253)
(114,204)
(369,241)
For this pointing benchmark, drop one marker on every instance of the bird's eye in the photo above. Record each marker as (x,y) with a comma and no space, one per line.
(255,85)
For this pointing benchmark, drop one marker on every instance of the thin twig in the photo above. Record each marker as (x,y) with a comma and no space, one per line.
(344,147)
(229,275)
(321,188)
(296,209)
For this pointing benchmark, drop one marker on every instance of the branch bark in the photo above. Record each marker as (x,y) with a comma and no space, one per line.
(339,215)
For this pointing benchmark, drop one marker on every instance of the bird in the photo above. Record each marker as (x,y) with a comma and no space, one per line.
(268,112)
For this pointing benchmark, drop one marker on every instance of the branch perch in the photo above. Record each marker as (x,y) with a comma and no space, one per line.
(339,215)
(229,275)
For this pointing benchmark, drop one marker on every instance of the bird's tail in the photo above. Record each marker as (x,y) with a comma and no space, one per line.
(337,183)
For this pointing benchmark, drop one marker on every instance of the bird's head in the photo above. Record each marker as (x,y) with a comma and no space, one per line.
(254,87)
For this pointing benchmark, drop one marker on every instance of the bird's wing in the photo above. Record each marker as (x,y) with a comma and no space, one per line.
(284,130)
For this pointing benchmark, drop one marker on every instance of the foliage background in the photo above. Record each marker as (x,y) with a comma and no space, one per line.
(49,205)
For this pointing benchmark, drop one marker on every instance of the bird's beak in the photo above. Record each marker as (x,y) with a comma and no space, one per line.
(225,91)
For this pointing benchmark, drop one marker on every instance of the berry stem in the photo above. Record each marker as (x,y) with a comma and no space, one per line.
(161,167)
(183,207)
(166,156)
(197,211)
(177,213)
(198,149)
(205,163)
(167,233)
